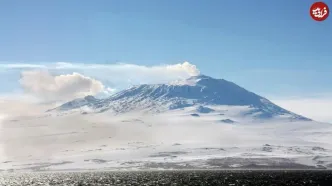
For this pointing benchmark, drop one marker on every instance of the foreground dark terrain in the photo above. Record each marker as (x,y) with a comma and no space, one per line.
(215,177)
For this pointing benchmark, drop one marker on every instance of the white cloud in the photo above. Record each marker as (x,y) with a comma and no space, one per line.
(62,81)
(117,76)
(20,65)
(184,68)
(48,87)
(122,73)
(181,68)
(318,109)
(123,70)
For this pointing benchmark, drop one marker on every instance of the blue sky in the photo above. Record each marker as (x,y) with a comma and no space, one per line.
(273,48)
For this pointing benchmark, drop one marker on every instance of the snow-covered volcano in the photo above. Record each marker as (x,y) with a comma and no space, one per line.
(199,123)
(201,93)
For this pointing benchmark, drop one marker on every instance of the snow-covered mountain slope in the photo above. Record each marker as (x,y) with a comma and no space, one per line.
(201,93)
(170,140)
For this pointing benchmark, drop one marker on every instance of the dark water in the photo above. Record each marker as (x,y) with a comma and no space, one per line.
(229,178)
